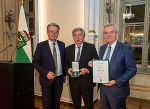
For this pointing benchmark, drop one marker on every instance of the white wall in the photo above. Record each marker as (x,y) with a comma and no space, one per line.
(67,13)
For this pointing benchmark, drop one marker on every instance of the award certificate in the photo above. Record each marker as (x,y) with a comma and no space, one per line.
(100,71)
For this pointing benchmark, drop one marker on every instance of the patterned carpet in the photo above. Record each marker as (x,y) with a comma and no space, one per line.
(36,108)
(132,103)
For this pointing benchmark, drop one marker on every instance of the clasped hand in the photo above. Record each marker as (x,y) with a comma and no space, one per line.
(51,75)
(110,83)
(83,71)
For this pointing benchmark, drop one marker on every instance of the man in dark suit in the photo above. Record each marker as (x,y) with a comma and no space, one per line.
(113,94)
(49,62)
(82,85)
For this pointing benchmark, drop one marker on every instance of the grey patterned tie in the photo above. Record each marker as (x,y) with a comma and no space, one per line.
(55,58)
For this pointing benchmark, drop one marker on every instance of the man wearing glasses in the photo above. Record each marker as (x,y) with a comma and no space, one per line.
(77,57)
(49,62)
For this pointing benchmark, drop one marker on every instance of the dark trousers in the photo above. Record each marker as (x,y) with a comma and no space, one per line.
(77,90)
(51,95)
(109,101)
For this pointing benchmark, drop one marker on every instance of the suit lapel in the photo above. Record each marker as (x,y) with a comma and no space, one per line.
(114,55)
(83,50)
(48,49)
(102,51)
(72,52)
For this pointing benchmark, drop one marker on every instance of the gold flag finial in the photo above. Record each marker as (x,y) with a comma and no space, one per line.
(22,2)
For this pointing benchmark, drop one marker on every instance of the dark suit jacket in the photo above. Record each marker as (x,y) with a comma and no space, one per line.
(87,54)
(122,68)
(43,61)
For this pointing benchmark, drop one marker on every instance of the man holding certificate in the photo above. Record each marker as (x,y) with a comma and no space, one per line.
(122,68)
(80,74)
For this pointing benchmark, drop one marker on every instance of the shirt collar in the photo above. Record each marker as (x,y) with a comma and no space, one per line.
(113,45)
(50,42)
(79,45)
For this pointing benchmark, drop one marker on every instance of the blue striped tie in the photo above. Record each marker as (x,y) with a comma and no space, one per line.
(78,54)
(108,53)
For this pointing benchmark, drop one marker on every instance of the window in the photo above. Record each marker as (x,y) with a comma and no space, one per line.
(30,17)
(134,30)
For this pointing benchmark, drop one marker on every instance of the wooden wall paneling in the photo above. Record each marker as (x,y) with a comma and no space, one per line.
(8,35)
(3,29)
(1,33)
(12,33)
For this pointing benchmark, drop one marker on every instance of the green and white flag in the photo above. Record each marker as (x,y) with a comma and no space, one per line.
(24,53)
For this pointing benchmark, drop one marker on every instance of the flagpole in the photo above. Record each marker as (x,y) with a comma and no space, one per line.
(22,2)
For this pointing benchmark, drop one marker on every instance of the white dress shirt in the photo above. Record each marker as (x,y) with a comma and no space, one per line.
(76,50)
(112,50)
(58,56)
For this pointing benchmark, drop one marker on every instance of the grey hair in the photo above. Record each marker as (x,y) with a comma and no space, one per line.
(111,24)
(53,24)
(78,29)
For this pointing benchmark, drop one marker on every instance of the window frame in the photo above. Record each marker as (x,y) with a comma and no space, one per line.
(31,14)
(144,68)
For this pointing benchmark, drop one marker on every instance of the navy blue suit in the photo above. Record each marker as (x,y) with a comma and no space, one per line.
(122,69)
(44,63)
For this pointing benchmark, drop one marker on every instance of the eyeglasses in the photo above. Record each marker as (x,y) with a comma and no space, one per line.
(78,35)
(111,32)
(52,31)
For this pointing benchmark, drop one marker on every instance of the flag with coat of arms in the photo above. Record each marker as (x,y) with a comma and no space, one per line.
(24,52)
